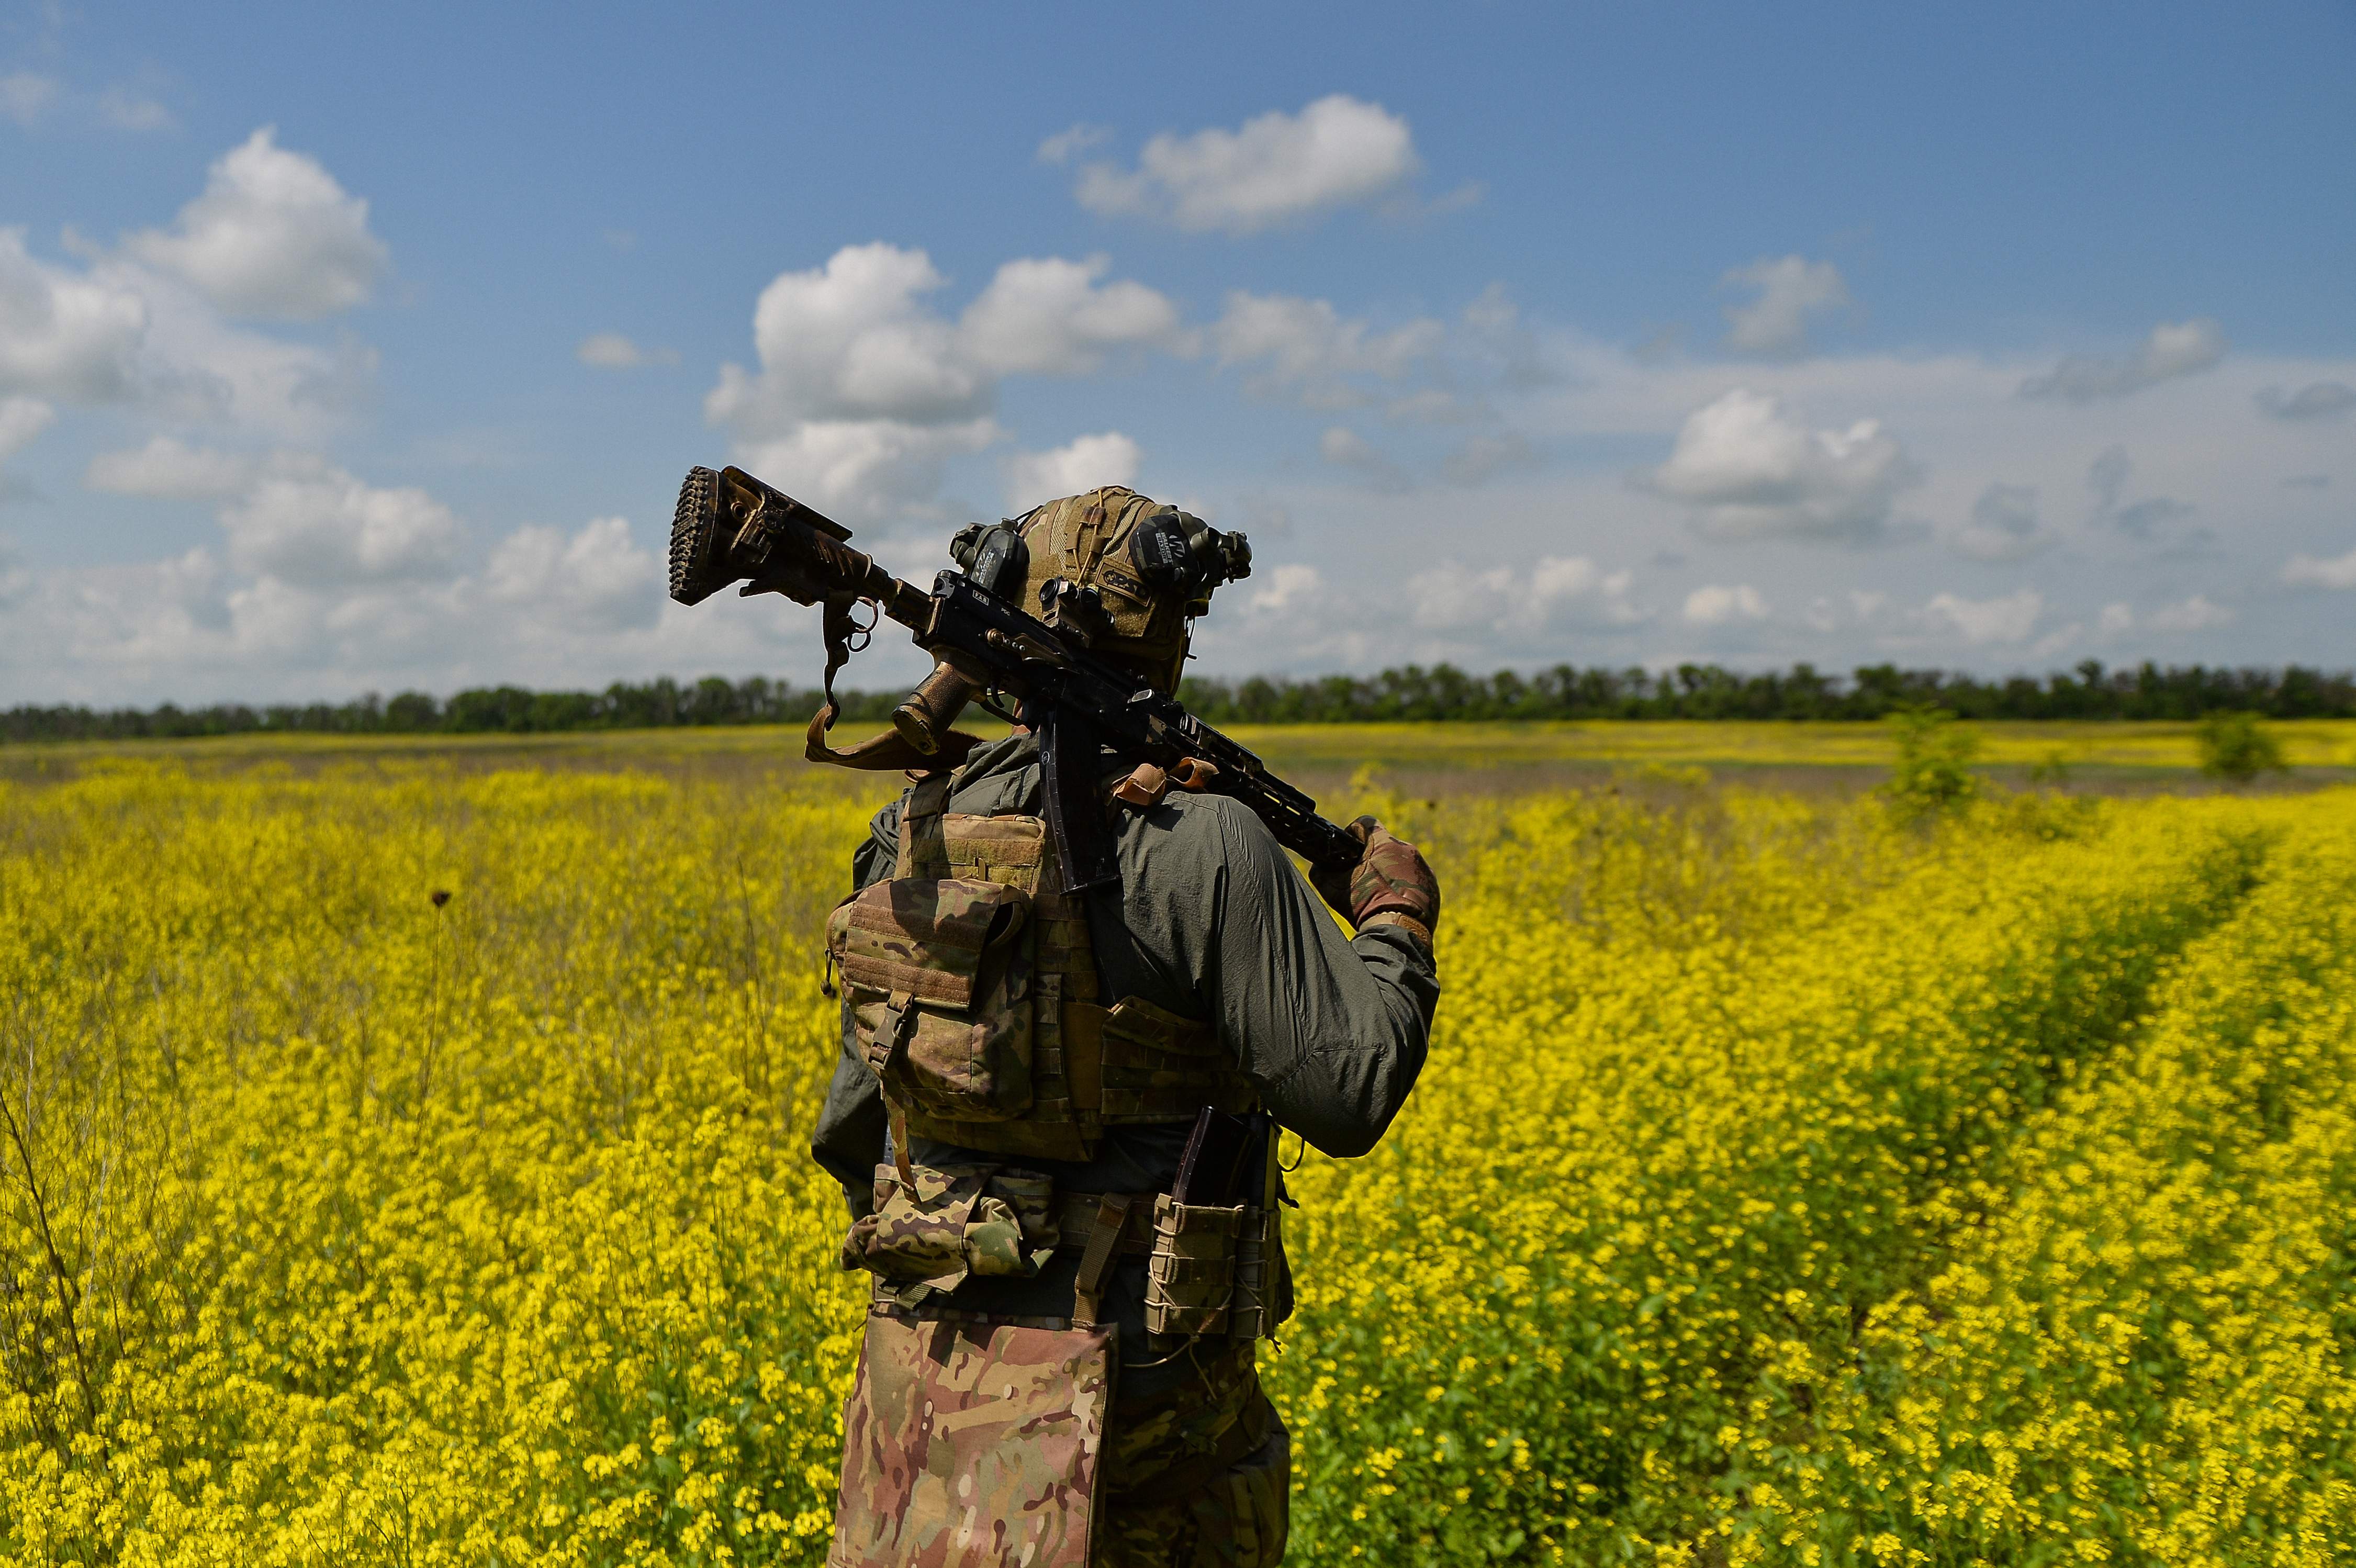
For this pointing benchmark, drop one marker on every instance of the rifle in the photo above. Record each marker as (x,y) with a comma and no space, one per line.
(731,527)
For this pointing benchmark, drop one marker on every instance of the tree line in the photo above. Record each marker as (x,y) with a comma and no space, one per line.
(1440,692)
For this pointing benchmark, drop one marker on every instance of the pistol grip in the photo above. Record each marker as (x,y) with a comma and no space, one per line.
(926,714)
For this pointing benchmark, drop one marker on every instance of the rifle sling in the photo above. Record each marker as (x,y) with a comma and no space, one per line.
(887,752)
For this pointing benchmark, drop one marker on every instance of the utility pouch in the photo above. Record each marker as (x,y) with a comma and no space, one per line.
(937,972)
(973,1445)
(1211,1270)
(947,1222)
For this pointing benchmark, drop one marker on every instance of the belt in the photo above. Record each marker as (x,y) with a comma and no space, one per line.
(1076,1214)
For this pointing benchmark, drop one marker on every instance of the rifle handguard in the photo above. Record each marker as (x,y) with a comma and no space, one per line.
(926,713)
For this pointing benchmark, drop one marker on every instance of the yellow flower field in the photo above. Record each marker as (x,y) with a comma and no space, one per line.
(404,1164)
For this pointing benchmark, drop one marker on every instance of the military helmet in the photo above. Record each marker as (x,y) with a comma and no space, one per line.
(1150,567)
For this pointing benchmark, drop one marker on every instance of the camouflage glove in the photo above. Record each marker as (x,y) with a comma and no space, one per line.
(1392,880)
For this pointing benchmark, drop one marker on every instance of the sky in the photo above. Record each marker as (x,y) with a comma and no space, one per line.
(350,350)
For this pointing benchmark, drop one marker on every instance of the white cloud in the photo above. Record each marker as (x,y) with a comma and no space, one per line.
(1286,589)
(1453,597)
(613,351)
(861,394)
(120,331)
(118,109)
(1275,168)
(1790,288)
(1716,605)
(856,340)
(196,366)
(2146,517)
(73,338)
(862,470)
(25,97)
(2107,476)
(273,235)
(1085,464)
(553,608)
(2004,525)
(309,523)
(169,470)
(596,579)
(1066,145)
(2316,400)
(1751,471)
(1480,458)
(330,584)
(2117,620)
(22,419)
(2195,614)
(1311,351)
(2173,349)
(2308,572)
(865,390)
(2010,619)
(1345,449)
(1432,405)
(1046,315)
(852,341)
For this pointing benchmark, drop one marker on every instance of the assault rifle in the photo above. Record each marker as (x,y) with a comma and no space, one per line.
(988,650)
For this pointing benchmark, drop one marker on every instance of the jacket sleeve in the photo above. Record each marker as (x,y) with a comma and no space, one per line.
(848,1138)
(1332,1030)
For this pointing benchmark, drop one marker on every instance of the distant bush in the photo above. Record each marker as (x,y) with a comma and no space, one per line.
(2236,747)
(1934,774)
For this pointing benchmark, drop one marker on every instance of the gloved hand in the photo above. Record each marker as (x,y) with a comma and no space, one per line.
(1392,878)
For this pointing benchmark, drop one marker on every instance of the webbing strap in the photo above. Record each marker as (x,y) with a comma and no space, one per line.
(900,1022)
(1095,1262)
(920,825)
(900,1150)
(1082,1035)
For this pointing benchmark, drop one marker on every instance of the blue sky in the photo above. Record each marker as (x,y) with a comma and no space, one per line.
(343,351)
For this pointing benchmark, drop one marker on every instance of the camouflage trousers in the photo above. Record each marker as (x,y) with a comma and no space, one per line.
(1199,1477)
(975,1445)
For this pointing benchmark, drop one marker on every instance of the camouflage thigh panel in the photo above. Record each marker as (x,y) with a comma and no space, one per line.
(972,1445)
(1197,1478)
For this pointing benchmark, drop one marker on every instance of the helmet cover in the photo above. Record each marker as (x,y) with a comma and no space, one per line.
(1153,567)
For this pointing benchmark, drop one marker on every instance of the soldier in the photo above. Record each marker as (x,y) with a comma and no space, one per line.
(1058,1367)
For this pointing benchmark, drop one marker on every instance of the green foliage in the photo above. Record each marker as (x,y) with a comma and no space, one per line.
(2236,747)
(1933,775)
(1413,691)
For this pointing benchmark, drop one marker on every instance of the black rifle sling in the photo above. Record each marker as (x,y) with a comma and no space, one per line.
(837,626)
(1070,759)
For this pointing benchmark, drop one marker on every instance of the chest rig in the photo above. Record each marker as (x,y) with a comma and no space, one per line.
(976,999)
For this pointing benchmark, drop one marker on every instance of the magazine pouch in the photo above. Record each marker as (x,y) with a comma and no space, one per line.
(937,973)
